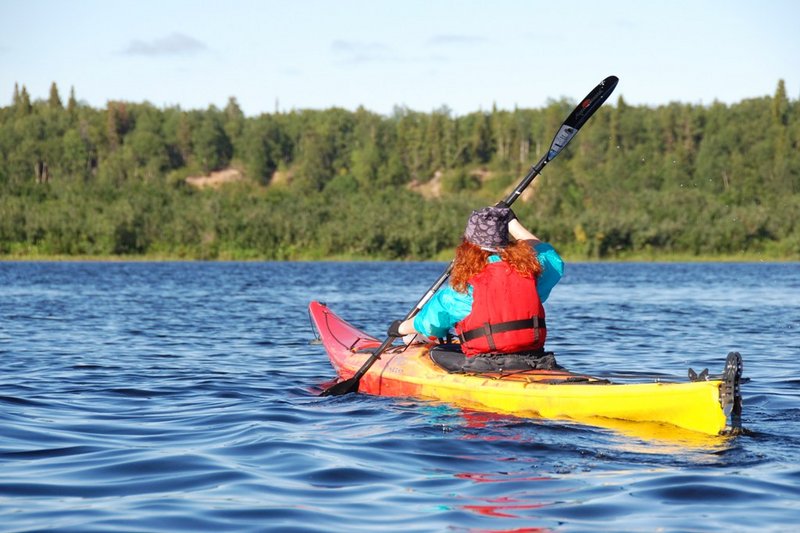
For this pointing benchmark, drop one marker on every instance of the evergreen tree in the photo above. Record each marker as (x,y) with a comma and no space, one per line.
(234,121)
(23,106)
(212,146)
(72,103)
(780,104)
(54,100)
(117,123)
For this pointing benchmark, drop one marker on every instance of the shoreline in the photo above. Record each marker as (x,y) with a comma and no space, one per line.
(442,258)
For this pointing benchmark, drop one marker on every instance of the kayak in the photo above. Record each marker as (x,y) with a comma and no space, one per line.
(709,405)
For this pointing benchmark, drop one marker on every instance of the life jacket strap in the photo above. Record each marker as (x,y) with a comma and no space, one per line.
(488,330)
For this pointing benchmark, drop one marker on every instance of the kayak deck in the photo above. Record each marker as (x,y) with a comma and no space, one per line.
(409,371)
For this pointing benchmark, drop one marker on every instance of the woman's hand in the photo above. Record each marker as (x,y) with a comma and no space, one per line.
(518,231)
(511,214)
(398,328)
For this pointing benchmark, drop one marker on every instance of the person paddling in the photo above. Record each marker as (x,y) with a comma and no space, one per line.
(502,274)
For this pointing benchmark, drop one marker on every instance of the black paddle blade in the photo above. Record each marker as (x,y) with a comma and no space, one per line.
(351,385)
(581,114)
(592,102)
(344,387)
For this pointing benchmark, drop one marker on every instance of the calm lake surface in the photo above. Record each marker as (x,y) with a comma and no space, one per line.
(183,397)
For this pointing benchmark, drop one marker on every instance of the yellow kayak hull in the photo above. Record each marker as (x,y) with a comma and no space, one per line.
(409,371)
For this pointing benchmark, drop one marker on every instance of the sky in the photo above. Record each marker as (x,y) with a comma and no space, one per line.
(468,55)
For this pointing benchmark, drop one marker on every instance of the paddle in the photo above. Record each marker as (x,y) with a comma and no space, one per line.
(566,132)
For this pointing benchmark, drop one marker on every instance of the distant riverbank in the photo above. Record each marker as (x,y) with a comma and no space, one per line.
(442,257)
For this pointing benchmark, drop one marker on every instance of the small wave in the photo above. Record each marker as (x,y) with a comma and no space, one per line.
(49,453)
(140,393)
(20,401)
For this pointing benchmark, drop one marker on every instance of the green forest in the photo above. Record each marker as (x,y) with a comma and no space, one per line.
(686,181)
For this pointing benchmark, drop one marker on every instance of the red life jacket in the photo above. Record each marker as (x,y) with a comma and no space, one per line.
(507,315)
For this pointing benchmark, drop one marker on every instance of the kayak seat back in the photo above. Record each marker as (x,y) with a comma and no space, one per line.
(450,358)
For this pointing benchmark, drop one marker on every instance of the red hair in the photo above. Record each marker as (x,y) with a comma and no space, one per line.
(470,260)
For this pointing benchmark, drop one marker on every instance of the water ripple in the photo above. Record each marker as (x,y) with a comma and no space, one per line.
(183,397)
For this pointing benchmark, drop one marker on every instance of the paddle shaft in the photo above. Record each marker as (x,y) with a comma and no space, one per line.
(566,132)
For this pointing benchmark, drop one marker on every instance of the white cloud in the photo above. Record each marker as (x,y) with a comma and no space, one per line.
(171,45)
(455,39)
(362,52)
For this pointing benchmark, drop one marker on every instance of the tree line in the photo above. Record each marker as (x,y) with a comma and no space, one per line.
(638,181)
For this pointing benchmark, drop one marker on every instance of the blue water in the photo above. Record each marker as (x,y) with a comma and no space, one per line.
(183,397)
